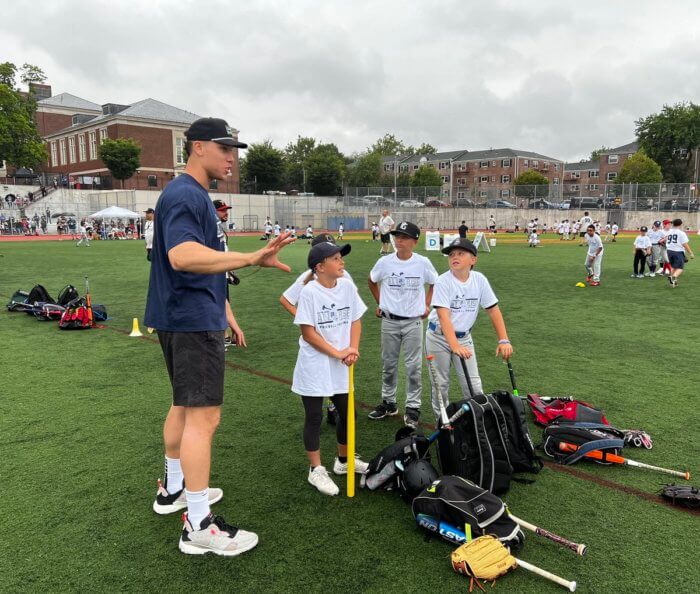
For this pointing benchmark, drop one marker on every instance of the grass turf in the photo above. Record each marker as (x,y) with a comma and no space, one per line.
(81,413)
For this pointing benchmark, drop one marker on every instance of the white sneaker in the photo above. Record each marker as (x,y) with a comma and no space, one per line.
(652,274)
(319,478)
(166,503)
(214,535)
(361,467)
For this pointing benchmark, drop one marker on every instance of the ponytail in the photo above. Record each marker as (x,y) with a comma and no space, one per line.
(309,277)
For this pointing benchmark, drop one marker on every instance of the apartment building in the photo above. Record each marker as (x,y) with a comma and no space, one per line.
(588,178)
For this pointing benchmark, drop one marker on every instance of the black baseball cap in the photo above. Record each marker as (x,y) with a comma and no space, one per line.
(461,243)
(215,130)
(643,228)
(148,210)
(321,238)
(407,229)
(657,223)
(221,205)
(326,249)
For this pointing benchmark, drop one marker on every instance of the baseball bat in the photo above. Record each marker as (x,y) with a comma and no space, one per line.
(464,408)
(88,302)
(351,432)
(608,457)
(570,586)
(512,379)
(466,376)
(579,549)
(443,413)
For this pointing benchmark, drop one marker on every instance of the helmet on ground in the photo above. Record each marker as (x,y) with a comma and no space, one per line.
(418,475)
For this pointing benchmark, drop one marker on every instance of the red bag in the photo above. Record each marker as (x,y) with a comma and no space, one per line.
(76,316)
(564,408)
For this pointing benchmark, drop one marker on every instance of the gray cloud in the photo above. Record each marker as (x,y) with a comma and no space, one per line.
(544,75)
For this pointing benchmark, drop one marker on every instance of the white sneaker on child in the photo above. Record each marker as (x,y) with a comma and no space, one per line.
(361,466)
(320,479)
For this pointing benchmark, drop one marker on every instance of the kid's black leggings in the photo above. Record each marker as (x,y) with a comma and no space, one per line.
(313,407)
(640,258)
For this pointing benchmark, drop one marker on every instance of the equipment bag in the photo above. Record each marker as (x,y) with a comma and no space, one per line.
(458,510)
(39,294)
(385,468)
(18,301)
(76,316)
(521,450)
(48,312)
(476,448)
(587,437)
(567,409)
(68,293)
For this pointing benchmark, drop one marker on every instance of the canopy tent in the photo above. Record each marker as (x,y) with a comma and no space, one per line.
(115,211)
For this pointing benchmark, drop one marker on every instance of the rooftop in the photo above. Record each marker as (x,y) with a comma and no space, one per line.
(68,101)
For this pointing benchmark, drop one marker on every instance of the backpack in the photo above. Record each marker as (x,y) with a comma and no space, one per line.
(477,446)
(39,294)
(48,311)
(457,509)
(17,301)
(68,293)
(76,316)
(386,467)
(564,408)
(521,449)
(587,437)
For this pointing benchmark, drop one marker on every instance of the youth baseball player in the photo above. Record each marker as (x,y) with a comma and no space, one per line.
(594,257)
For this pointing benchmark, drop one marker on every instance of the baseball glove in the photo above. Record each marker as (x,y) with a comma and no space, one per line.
(686,496)
(483,558)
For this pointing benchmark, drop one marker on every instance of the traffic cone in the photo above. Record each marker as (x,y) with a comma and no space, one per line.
(135,328)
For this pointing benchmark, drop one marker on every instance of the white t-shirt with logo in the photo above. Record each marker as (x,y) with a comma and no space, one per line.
(462,299)
(585,221)
(402,290)
(385,224)
(594,243)
(293,292)
(675,239)
(655,235)
(331,312)
(642,242)
(615,228)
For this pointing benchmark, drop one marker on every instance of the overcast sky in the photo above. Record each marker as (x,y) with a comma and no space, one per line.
(558,78)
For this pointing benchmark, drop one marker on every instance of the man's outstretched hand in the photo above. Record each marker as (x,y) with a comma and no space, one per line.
(267,256)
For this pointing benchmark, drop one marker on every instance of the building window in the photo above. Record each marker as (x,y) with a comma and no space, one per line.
(461,166)
(214,184)
(403,168)
(461,181)
(526,163)
(575,174)
(505,193)
(545,165)
(612,159)
(612,175)
(535,163)
(555,181)
(484,178)
(62,147)
(54,155)
(152,181)
(483,194)
(594,173)
(103,134)
(71,149)
(505,179)
(483,163)
(415,167)
(93,146)
(505,163)
(593,186)
(444,165)
(445,179)
(556,167)
(574,187)
(81,147)
(460,195)
(180,151)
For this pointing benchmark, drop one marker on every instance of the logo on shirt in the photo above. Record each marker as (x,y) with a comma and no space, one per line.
(462,303)
(330,317)
(399,281)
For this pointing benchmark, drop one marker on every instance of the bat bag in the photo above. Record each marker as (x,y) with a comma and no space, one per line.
(588,437)
(568,410)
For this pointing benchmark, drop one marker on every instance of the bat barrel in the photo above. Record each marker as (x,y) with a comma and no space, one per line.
(351,432)
(579,549)
(570,586)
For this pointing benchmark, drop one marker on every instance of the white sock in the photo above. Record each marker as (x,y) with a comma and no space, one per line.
(197,506)
(173,475)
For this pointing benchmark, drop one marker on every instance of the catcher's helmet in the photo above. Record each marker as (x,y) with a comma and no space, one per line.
(418,475)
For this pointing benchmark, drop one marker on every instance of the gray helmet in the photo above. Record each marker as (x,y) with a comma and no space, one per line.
(418,475)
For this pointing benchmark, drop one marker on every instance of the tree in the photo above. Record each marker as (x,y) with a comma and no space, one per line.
(425,149)
(325,170)
(365,171)
(121,156)
(295,156)
(595,155)
(426,176)
(670,138)
(640,169)
(32,74)
(20,143)
(263,167)
(526,184)
(389,145)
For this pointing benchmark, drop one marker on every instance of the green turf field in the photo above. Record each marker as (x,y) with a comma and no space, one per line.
(81,416)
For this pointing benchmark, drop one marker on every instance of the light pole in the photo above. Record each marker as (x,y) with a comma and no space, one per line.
(396,172)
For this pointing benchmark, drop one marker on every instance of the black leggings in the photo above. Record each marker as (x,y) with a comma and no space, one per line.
(313,407)
(640,258)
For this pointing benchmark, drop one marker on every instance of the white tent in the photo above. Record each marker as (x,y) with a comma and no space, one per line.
(115,211)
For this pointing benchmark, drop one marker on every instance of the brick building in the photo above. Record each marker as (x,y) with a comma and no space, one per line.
(588,178)
(73,128)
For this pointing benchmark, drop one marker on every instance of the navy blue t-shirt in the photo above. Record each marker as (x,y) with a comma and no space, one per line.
(184,301)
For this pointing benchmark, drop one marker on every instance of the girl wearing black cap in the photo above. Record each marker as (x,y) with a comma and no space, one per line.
(328,314)
(642,249)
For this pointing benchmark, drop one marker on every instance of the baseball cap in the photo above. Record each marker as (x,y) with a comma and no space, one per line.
(214,129)
(657,223)
(321,238)
(407,229)
(324,250)
(461,243)
(667,221)
(221,205)
(643,228)
(149,210)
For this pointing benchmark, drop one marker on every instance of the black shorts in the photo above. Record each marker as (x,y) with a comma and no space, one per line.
(676,259)
(385,237)
(196,363)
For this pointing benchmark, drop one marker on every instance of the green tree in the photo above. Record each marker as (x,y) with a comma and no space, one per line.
(640,169)
(325,170)
(32,74)
(530,184)
(595,155)
(425,149)
(670,138)
(263,167)
(390,145)
(365,171)
(426,176)
(295,156)
(121,156)
(20,143)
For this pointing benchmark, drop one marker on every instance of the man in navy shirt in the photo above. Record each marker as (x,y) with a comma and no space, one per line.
(188,307)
